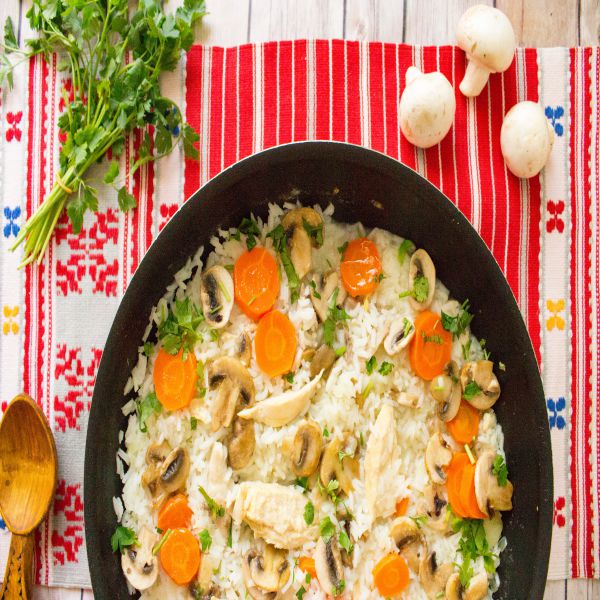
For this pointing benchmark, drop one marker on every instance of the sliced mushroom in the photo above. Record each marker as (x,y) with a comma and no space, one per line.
(234,386)
(433,577)
(165,473)
(268,570)
(437,456)
(322,360)
(322,289)
(434,505)
(241,443)
(490,494)
(216,295)
(476,590)
(329,567)
(139,564)
(339,463)
(244,349)
(280,410)
(306,449)
(300,243)
(408,539)
(175,470)
(202,587)
(399,336)
(493,528)
(486,391)
(421,279)
(446,391)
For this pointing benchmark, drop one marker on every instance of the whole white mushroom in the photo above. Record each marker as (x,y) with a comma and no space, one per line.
(427,108)
(488,38)
(526,139)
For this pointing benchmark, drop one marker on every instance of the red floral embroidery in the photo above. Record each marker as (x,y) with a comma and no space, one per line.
(67,538)
(87,258)
(558,518)
(13,131)
(554,220)
(166,212)
(79,379)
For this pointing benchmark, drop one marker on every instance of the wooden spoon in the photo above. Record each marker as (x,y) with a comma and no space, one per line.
(27,483)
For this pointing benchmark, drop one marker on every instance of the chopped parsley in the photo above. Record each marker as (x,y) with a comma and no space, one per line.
(458,324)
(435,339)
(340,351)
(386,368)
(371,365)
(145,408)
(230,534)
(205,540)
(164,538)
(193,423)
(148,349)
(342,455)
(179,330)
(344,540)
(500,471)
(466,350)
(336,315)
(419,291)
(289,377)
(300,593)
(315,232)
(486,353)
(378,278)
(249,227)
(280,243)
(215,509)
(331,488)
(325,432)
(326,529)
(122,538)
(302,482)
(405,249)
(313,284)
(309,513)
(342,249)
(472,390)
(419,521)
(339,588)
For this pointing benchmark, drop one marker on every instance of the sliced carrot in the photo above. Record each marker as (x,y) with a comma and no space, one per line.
(467,493)
(175,513)
(390,575)
(401,507)
(454,474)
(307,565)
(174,379)
(256,282)
(430,347)
(465,425)
(360,267)
(180,556)
(275,344)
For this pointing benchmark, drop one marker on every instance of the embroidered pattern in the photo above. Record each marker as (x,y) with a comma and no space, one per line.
(11,227)
(10,324)
(556,419)
(555,320)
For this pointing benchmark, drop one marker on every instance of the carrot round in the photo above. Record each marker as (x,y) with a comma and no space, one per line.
(307,565)
(454,474)
(430,347)
(401,507)
(255,282)
(465,425)
(174,379)
(390,575)
(467,493)
(175,513)
(360,267)
(275,344)
(180,556)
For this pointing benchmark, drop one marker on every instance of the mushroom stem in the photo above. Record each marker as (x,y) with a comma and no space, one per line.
(476,76)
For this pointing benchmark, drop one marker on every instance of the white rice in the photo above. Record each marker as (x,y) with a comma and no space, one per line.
(334,407)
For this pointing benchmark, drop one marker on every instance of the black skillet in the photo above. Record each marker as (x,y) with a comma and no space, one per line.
(380,192)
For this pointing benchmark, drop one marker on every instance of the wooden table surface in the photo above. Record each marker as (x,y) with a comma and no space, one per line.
(536,23)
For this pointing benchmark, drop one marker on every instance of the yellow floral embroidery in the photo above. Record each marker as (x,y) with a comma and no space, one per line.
(10,324)
(555,320)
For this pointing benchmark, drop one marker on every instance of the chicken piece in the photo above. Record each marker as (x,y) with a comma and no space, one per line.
(275,513)
(217,473)
(380,453)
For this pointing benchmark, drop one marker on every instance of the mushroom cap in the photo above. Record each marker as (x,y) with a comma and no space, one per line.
(526,139)
(268,570)
(433,576)
(295,222)
(216,294)
(306,449)
(489,493)
(328,564)
(476,590)
(446,391)
(437,456)
(399,336)
(343,471)
(322,360)
(421,265)
(241,443)
(139,564)
(482,373)
(427,108)
(487,36)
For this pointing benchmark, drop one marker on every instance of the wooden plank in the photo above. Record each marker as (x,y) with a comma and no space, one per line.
(589,22)
(226,23)
(379,20)
(434,21)
(543,22)
(292,19)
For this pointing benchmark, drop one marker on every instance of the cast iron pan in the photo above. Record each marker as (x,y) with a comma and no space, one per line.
(372,188)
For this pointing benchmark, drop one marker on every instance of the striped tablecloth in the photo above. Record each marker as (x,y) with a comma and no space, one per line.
(544,233)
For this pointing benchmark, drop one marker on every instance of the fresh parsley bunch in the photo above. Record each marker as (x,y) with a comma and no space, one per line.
(114,59)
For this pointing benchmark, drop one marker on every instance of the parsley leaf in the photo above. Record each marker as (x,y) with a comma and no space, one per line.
(309,513)
(345,542)
(386,368)
(205,540)
(216,509)
(300,593)
(122,538)
(302,482)
(145,408)
(458,324)
(472,390)
(326,529)
(500,470)
(339,588)
(315,232)
(250,228)
(342,248)
(179,329)
(405,249)
(289,377)
(193,423)
(280,243)
(420,289)
(336,315)
(148,349)
(371,365)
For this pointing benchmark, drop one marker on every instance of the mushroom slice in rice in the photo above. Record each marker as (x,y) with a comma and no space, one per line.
(399,336)
(477,589)
(235,389)
(322,289)
(244,349)
(437,456)
(139,564)
(166,473)
(338,462)
(306,449)
(266,571)
(480,386)
(421,280)
(408,539)
(280,410)
(433,577)
(434,506)
(446,391)
(322,360)
(490,494)
(329,566)
(216,295)
(297,223)
(240,443)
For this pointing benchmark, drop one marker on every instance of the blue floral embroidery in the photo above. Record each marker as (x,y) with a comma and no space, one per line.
(554,114)
(11,216)
(2,524)
(554,408)
(176,130)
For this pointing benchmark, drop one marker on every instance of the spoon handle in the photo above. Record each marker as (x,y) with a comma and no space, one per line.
(19,569)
